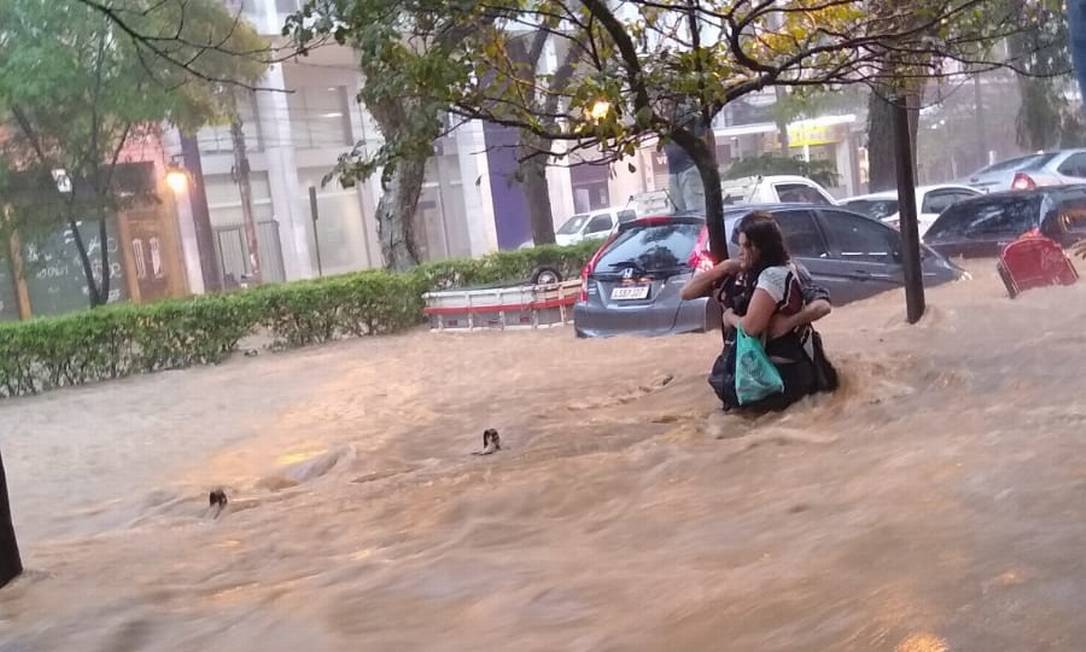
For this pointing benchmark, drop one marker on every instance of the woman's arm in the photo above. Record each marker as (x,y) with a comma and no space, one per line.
(810,313)
(702,283)
(759,313)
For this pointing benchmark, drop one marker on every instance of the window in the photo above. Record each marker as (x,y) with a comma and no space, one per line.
(573,225)
(1074,166)
(319,117)
(875,208)
(599,224)
(801,234)
(217,139)
(1032,161)
(796,193)
(652,248)
(224,199)
(859,239)
(1071,211)
(1000,216)
(937,201)
(138,259)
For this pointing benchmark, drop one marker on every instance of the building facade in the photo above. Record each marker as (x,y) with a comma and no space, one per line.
(470,204)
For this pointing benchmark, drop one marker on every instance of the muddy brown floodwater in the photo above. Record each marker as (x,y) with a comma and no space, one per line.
(936,503)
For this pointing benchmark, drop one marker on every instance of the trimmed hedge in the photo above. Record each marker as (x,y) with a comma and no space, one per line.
(117,341)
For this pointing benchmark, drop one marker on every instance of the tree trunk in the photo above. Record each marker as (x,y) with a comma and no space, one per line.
(10,564)
(201,216)
(704,156)
(882,162)
(396,214)
(533,174)
(882,166)
(93,293)
(782,124)
(982,137)
(103,237)
(245,190)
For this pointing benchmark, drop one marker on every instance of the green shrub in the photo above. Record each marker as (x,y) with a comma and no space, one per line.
(117,341)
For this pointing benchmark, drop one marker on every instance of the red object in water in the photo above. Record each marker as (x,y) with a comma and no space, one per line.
(1034,261)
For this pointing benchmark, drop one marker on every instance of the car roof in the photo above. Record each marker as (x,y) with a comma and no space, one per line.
(1006,194)
(892,194)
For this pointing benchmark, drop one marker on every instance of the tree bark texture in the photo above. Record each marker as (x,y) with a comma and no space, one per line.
(881,158)
(533,174)
(396,214)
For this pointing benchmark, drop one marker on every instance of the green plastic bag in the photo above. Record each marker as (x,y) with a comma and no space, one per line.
(756,377)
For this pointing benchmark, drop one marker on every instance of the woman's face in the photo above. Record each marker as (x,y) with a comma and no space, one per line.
(748,253)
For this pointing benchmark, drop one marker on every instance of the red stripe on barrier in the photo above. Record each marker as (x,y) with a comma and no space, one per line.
(501,307)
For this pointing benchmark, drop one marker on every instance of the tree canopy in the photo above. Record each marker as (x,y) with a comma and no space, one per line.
(76,88)
(641,64)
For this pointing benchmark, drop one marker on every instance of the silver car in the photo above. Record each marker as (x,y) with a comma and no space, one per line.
(1033,170)
(633,283)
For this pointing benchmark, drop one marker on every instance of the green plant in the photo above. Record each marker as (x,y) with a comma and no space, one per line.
(117,341)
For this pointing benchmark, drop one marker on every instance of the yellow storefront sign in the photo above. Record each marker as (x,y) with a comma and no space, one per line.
(802,135)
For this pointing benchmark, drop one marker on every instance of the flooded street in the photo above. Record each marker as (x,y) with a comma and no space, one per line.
(937,502)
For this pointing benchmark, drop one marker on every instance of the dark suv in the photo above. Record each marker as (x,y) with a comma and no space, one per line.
(984,225)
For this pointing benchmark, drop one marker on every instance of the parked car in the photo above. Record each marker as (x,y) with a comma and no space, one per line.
(593,225)
(1032,171)
(984,225)
(778,189)
(632,283)
(930,202)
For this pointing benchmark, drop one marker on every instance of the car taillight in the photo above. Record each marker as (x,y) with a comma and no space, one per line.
(590,266)
(700,258)
(1023,181)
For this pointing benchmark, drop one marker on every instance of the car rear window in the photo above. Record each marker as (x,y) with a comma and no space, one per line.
(1031,162)
(652,247)
(876,208)
(1006,215)
(573,225)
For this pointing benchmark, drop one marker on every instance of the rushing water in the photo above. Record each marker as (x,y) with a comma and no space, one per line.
(937,502)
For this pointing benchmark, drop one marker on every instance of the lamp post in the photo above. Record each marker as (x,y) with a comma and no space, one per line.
(188,175)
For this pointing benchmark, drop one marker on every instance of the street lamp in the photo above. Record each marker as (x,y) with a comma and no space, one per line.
(599,110)
(177,178)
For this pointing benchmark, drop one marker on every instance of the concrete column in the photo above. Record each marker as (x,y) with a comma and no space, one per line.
(846,163)
(560,184)
(289,202)
(478,207)
(190,246)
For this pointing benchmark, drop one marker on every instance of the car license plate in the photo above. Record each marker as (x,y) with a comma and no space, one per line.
(630,293)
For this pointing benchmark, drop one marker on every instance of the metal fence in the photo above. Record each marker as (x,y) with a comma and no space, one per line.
(233,253)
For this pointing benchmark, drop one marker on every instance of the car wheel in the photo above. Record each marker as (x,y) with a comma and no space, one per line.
(546,276)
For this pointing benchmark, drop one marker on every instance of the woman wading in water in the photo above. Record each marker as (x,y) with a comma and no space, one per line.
(773,299)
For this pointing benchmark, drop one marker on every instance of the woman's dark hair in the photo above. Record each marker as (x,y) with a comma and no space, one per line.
(762,232)
(765,235)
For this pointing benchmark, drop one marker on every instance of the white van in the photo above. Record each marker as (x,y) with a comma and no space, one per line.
(594,225)
(776,189)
